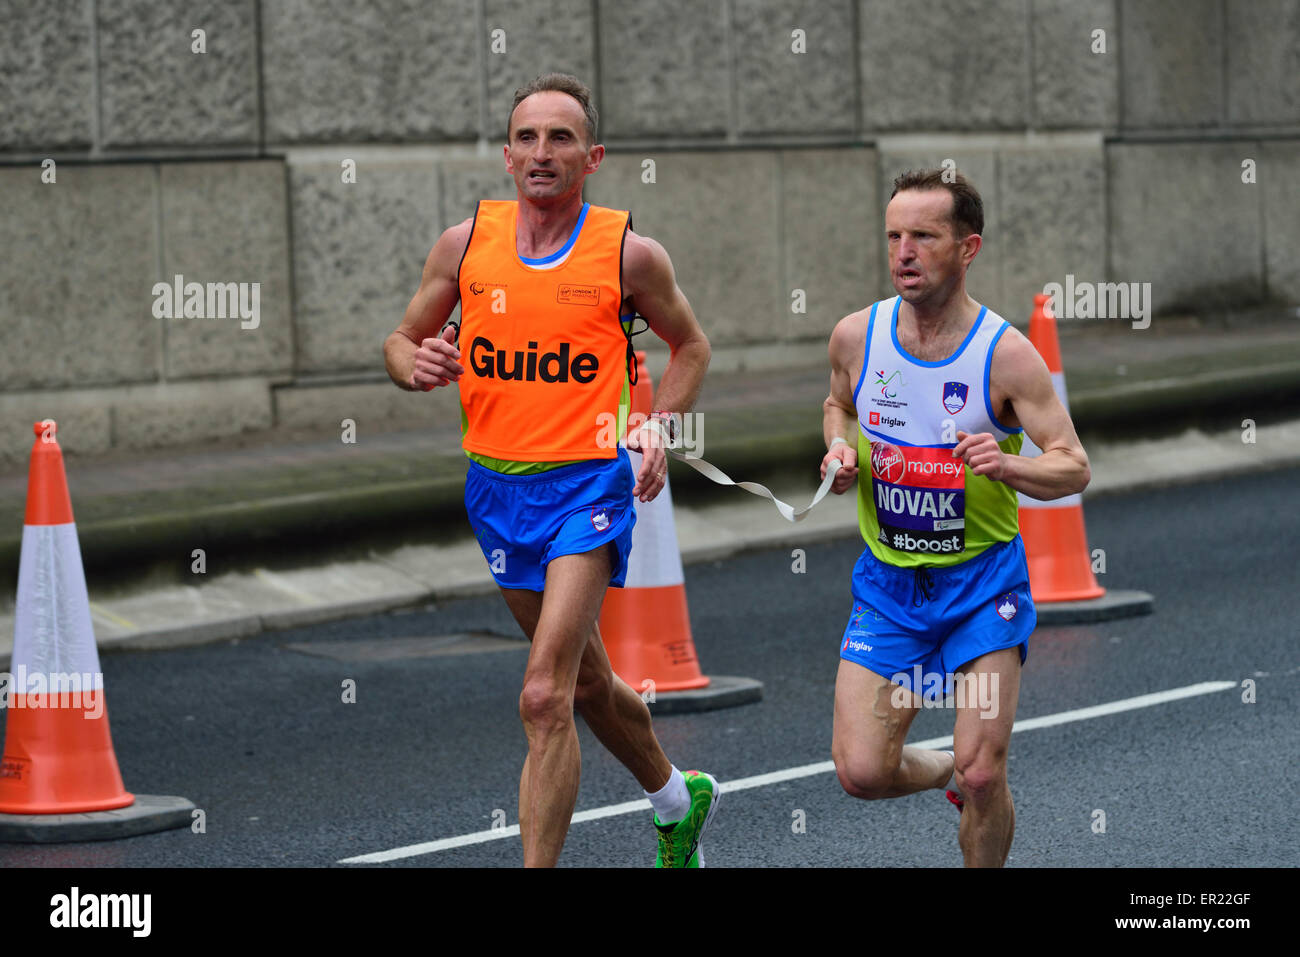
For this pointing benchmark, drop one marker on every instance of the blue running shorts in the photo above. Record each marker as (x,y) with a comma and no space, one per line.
(523,521)
(916,627)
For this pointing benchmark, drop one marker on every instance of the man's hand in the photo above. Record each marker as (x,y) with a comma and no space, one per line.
(424,333)
(981,454)
(650,442)
(436,361)
(848,457)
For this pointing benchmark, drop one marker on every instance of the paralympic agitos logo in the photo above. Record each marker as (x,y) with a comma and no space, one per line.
(492,363)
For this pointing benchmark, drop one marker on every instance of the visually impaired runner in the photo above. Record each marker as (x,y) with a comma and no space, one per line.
(935,393)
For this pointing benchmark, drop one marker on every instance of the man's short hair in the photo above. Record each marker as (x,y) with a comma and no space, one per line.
(561,83)
(967,207)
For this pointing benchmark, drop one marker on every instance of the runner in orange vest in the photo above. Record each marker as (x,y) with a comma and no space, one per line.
(547,285)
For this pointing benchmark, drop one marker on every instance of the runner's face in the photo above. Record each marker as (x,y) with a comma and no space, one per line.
(548,153)
(925,256)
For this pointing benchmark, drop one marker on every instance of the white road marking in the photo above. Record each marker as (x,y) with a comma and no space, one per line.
(803,771)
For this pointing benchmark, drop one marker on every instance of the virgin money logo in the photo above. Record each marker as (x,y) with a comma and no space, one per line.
(887,462)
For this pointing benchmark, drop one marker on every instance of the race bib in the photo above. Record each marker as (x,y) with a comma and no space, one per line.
(920,496)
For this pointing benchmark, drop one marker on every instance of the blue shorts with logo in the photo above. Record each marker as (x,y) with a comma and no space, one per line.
(916,627)
(523,521)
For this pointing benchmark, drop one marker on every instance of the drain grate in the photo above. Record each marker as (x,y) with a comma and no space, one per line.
(400,649)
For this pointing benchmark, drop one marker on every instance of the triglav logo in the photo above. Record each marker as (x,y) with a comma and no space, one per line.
(599,519)
(215,300)
(891,421)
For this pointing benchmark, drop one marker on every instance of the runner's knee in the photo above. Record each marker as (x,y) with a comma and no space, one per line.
(544,705)
(981,776)
(863,776)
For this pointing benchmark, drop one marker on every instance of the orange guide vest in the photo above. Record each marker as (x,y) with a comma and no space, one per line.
(545,355)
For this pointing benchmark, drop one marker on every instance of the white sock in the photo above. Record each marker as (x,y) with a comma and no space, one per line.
(672,802)
(952,781)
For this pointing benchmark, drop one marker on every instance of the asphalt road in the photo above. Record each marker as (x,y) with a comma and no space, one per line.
(257,734)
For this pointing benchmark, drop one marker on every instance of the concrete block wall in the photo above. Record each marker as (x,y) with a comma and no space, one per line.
(318,148)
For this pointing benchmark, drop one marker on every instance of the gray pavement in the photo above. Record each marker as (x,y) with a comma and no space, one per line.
(292,770)
(299,529)
(143,615)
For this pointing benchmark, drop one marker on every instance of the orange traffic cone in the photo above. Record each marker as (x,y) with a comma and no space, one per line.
(1056,545)
(58,755)
(645,625)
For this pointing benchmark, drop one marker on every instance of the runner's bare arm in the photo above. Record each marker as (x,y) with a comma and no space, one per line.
(652,285)
(839,415)
(1020,374)
(417,358)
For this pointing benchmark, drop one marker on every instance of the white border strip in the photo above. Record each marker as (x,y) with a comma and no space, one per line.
(802,771)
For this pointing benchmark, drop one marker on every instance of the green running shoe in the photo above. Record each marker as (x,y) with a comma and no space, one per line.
(679,844)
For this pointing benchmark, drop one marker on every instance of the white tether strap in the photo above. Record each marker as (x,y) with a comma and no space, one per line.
(788,512)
